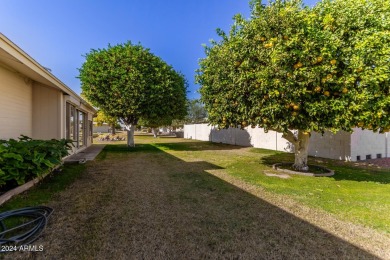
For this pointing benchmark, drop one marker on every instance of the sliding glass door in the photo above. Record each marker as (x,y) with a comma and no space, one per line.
(76,122)
(82,129)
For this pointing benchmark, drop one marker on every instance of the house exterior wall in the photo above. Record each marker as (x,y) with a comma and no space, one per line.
(15,104)
(47,113)
(366,142)
(33,101)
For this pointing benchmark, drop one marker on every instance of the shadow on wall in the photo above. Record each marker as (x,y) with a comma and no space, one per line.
(195,146)
(255,137)
(234,136)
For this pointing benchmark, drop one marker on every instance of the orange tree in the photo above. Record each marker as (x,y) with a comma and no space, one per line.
(291,67)
(128,82)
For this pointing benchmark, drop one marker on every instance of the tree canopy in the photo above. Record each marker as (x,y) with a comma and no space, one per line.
(128,82)
(102,118)
(196,112)
(291,67)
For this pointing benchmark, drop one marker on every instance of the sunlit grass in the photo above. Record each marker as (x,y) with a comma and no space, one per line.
(357,194)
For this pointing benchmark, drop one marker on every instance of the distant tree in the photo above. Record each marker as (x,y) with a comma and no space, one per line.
(129,82)
(102,118)
(196,112)
(309,69)
(155,124)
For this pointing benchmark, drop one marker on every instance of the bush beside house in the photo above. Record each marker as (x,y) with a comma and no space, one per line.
(25,159)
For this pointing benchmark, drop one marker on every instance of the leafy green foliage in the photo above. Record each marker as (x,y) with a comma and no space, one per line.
(129,82)
(154,123)
(294,67)
(196,112)
(101,118)
(26,158)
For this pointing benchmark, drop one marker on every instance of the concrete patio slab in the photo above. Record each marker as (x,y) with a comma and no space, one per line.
(88,154)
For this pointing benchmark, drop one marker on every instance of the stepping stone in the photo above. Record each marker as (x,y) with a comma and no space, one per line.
(282,176)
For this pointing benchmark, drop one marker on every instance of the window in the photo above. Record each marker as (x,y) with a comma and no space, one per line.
(76,125)
(90,127)
(70,131)
(82,128)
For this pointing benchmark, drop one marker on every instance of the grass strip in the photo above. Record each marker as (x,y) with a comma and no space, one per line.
(47,188)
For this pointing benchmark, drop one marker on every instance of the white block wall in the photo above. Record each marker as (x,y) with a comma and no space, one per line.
(366,142)
(270,140)
(198,132)
(339,146)
(255,137)
(333,146)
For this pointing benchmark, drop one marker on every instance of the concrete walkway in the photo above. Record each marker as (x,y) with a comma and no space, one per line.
(87,154)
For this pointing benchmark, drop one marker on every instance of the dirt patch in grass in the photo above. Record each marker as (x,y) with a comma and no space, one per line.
(149,204)
(380,162)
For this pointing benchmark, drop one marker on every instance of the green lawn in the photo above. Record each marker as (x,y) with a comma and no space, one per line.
(357,194)
(47,189)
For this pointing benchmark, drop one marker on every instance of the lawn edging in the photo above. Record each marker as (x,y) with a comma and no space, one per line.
(330,172)
(15,191)
(24,187)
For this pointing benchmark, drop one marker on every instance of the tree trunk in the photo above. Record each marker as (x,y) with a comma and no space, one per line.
(155,132)
(130,135)
(113,129)
(301,151)
(301,148)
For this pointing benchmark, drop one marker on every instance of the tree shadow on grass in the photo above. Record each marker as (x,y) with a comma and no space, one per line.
(196,146)
(343,170)
(161,207)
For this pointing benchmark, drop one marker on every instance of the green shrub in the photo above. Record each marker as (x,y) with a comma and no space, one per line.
(24,159)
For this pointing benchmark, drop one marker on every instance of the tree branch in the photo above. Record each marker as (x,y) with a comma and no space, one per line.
(289,136)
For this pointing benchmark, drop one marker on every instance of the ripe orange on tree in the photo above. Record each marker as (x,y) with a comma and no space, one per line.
(298,65)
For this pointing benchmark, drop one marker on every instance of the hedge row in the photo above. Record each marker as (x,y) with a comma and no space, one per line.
(25,159)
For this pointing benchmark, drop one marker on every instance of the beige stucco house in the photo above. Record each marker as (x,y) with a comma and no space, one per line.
(33,102)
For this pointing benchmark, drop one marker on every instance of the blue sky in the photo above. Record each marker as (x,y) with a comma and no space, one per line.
(58,33)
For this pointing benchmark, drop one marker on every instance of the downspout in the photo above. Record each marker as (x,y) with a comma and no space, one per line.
(386,145)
